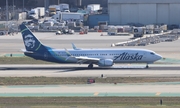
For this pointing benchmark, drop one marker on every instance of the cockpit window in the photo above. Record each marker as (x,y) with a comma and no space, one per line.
(152,53)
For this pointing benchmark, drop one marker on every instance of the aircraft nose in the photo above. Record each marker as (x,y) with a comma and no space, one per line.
(159,57)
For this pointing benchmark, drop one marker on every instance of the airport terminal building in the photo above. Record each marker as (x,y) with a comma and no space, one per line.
(144,11)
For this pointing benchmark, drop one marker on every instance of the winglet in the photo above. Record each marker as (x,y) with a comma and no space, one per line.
(74,47)
(67,52)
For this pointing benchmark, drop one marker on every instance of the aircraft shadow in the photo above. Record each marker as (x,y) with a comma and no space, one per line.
(69,69)
(64,68)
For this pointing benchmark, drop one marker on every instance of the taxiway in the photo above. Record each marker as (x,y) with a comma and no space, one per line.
(75,70)
(93,90)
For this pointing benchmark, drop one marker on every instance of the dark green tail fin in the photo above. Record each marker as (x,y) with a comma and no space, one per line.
(30,41)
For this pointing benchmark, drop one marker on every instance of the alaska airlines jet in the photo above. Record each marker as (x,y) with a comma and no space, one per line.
(100,57)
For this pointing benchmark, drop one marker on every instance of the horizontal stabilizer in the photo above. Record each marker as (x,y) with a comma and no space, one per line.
(25,51)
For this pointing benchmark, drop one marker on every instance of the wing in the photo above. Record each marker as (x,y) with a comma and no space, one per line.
(83,59)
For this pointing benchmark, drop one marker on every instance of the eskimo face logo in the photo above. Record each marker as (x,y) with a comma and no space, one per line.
(29,41)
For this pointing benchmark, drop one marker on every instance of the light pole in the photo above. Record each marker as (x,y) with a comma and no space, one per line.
(23,11)
(7,11)
(80,2)
(13,10)
(23,5)
(45,5)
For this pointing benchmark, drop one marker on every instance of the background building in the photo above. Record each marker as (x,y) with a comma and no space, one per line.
(82,3)
(35,3)
(144,11)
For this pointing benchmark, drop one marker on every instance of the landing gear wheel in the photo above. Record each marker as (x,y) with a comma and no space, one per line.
(147,66)
(90,66)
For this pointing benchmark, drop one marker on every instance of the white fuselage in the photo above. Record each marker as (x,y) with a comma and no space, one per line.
(117,55)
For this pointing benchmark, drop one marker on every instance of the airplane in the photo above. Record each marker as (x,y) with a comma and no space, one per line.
(101,57)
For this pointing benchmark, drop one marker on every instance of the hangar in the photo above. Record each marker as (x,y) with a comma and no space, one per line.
(144,11)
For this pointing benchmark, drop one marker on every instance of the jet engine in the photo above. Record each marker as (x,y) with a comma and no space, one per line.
(105,62)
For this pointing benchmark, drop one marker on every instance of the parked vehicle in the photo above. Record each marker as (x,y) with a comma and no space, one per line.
(41,12)
(71,31)
(64,7)
(33,21)
(93,7)
(52,10)
(68,16)
(58,32)
(3,29)
(33,14)
(112,30)
(36,13)
(139,31)
(65,31)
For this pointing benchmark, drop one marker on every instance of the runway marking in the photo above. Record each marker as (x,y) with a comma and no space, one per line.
(63,86)
(158,93)
(96,94)
(4,86)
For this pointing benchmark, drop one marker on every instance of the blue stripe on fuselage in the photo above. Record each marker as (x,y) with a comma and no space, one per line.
(56,56)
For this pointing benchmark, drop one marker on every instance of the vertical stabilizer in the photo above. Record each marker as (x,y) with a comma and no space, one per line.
(30,41)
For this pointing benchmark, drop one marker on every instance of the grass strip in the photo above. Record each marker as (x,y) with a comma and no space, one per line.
(21,60)
(81,80)
(90,101)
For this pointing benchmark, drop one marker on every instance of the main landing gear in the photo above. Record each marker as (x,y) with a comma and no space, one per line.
(90,66)
(147,66)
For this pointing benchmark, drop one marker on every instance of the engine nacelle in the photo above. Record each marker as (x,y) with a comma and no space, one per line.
(105,62)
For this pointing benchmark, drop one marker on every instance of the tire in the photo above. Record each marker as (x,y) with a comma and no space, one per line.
(135,30)
(1,33)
